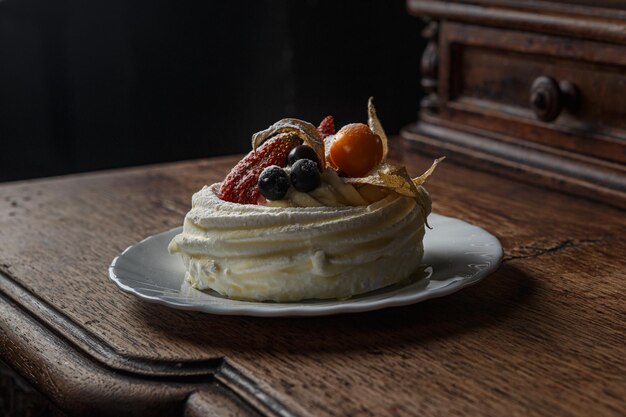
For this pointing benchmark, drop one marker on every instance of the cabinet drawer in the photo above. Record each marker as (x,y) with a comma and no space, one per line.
(487,74)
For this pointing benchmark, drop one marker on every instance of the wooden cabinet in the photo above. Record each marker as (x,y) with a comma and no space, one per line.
(534,90)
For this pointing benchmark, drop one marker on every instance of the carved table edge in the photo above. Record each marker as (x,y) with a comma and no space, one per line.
(58,333)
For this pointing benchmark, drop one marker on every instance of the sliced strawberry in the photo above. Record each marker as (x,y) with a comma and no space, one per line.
(327,127)
(241,184)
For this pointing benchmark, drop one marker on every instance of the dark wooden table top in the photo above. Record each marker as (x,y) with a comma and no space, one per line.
(543,336)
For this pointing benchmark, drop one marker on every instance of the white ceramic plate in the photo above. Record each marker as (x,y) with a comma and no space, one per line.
(456,254)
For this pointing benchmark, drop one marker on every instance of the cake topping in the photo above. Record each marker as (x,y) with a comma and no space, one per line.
(327,127)
(356,150)
(303,152)
(305,175)
(273,183)
(241,184)
(374,123)
(304,130)
(321,167)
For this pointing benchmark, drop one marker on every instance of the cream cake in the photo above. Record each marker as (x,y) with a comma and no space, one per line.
(306,216)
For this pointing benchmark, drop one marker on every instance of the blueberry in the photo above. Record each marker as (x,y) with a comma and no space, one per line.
(305,176)
(273,183)
(303,152)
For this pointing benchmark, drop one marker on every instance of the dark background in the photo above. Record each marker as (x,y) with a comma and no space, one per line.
(96,84)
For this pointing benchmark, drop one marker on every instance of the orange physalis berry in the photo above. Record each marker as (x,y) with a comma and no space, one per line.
(355,150)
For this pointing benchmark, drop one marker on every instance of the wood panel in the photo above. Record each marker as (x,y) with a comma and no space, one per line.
(576,21)
(602,8)
(490,72)
(542,336)
(531,163)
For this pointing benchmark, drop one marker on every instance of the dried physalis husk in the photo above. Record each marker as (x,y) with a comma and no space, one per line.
(395,178)
(375,126)
(398,180)
(422,178)
(304,130)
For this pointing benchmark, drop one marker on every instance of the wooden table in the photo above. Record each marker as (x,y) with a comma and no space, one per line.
(543,336)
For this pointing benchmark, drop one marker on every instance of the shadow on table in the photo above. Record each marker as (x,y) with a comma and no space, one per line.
(493,300)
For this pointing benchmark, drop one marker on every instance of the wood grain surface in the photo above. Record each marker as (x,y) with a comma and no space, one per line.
(542,336)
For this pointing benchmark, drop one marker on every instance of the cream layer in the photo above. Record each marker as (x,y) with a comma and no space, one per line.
(261,253)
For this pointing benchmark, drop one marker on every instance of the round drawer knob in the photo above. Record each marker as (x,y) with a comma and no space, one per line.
(548,98)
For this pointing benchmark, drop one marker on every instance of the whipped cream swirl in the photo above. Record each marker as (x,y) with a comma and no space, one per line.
(260,253)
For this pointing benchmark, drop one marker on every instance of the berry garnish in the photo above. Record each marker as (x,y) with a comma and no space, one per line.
(303,152)
(355,150)
(241,184)
(273,183)
(327,127)
(305,175)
